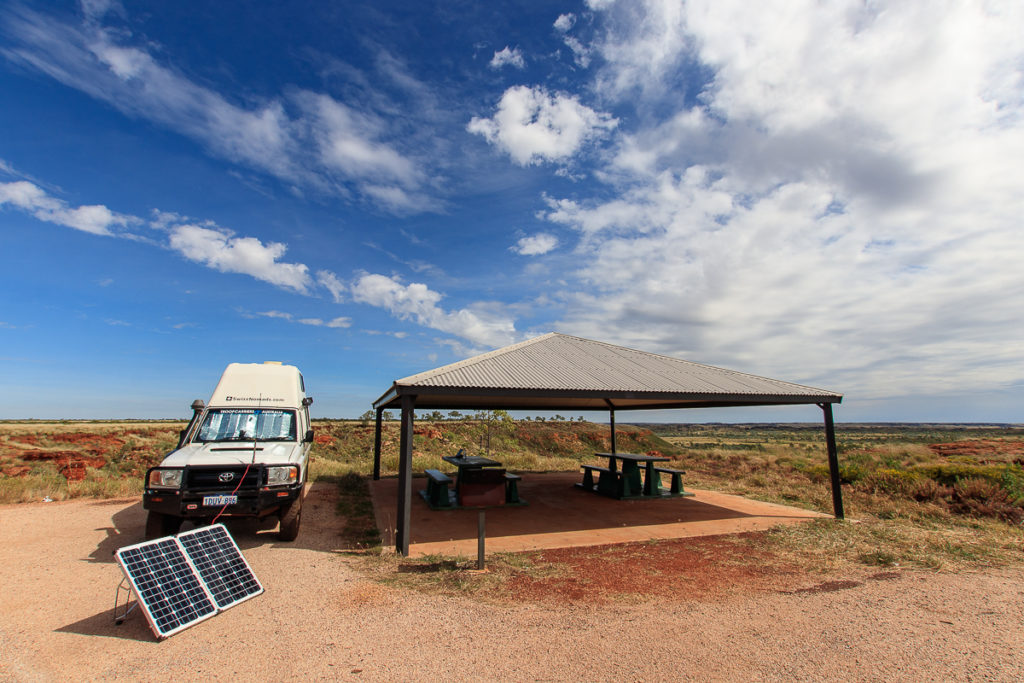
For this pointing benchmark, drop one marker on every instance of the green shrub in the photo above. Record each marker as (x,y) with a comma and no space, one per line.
(891,481)
(949,474)
(848,473)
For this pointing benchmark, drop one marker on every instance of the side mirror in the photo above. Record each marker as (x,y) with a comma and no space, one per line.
(308,401)
(181,435)
(309,436)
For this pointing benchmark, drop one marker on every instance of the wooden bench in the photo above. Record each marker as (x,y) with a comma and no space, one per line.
(438,494)
(677,478)
(512,487)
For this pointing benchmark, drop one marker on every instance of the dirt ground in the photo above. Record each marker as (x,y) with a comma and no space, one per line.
(319,618)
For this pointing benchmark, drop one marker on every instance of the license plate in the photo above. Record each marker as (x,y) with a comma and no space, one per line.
(220,500)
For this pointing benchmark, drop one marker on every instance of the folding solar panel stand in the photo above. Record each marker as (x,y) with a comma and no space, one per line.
(181,580)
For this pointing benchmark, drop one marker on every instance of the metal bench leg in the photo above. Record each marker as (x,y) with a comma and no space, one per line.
(511,491)
(588,479)
(677,483)
(652,482)
(438,494)
(608,484)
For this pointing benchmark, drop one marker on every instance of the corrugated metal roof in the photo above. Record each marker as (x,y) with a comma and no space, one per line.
(561,363)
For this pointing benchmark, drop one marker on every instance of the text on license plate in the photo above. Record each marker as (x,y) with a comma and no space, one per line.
(220,500)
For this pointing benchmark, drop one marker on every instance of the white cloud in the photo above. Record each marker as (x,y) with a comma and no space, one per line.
(348,142)
(564,22)
(532,125)
(508,57)
(535,245)
(221,251)
(337,323)
(281,315)
(306,139)
(97,8)
(580,52)
(480,324)
(95,219)
(332,284)
(840,205)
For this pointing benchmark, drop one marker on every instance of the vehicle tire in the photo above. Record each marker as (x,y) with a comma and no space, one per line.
(159,525)
(290,518)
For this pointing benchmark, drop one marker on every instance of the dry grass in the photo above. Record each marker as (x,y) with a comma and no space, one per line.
(915,498)
(921,496)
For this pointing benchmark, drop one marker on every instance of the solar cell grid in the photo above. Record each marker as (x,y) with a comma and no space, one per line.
(221,565)
(166,586)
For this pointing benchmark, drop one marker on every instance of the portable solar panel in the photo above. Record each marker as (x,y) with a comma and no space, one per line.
(166,585)
(182,580)
(220,564)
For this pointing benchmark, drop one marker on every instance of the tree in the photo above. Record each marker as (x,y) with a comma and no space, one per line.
(366,417)
(454,415)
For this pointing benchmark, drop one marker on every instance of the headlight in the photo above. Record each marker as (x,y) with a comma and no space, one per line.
(277,476)
(165,479)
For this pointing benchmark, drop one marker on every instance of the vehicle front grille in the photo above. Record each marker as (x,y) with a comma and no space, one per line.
(202,479)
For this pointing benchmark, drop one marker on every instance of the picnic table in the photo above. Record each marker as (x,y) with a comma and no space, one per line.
(482,481)
(625,482)
(470,461)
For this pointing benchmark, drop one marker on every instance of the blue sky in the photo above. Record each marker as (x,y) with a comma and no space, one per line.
(825,193)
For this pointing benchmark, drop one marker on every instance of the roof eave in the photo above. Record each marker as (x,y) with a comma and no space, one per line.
(527,399)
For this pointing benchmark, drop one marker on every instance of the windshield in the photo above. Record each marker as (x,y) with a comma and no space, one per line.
(247,424)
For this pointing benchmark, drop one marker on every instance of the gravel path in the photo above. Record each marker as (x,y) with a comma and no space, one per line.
(318,619)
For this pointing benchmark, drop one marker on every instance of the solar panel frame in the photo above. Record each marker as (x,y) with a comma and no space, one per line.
(166,585)
(220,564)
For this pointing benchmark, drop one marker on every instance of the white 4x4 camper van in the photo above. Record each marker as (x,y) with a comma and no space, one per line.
(243,455)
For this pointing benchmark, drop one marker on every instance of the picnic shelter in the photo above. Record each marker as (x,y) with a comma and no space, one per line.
(557,372)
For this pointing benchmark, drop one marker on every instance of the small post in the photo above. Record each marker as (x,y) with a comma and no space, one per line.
(480,533)
(833,461)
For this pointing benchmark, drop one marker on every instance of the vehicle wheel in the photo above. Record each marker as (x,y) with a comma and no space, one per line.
(159,525)
(290,517)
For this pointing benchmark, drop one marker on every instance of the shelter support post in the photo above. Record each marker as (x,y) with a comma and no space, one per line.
(376,445)
(611,413)
(404,520)
(833,461)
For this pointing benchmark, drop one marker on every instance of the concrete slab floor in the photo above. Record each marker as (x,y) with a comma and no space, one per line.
(559,515)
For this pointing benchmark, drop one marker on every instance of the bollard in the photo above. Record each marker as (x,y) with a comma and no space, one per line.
(480,540)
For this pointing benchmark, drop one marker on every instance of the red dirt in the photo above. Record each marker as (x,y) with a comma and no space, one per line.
(677,571)
(72,464)
(92,442)
(428,432)
(62,456)
(981,449)
(324,439)
(17,471)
